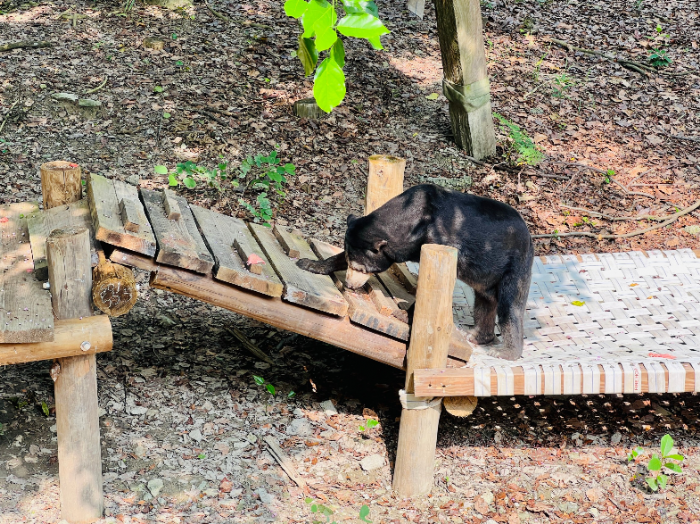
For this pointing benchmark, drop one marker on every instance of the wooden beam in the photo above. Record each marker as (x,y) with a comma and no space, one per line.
(456,382)
(70,337)
(430,339)
(466,83)
(385,180)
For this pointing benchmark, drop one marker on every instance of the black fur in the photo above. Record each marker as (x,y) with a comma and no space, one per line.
(494,244)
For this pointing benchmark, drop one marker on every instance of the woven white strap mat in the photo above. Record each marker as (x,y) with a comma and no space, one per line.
(601,315)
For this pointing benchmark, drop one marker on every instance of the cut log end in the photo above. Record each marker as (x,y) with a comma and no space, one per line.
(460,406)
(114,290)
(307,108)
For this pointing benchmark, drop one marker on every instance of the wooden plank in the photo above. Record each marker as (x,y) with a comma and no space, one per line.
(338,331)
(403,298)
(41,223)
(286,240)
(129,213)
(171,205)
(220,232)
(300,287)
(104,196)
(69,336)
(179,242)
(407,279)
(128,258)
(25,307)
(362,309)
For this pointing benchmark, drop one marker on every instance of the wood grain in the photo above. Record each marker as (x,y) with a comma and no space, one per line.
(179,242)
(385,180)
(300,287)
(25,307)
(41,223)
(104,197)
(171,205)
(220,232)
(60,183)
(128,210)
(68,341)
(70,272)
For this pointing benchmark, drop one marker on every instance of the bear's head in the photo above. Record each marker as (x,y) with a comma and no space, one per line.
(366,250)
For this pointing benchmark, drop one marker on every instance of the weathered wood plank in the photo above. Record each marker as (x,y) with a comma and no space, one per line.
(286,240)
(405,277)
(129,213)
(220,232)
(171,205)
(41,223)
(179,242)
(25,307)
(403,298)
(104,196)
(362,308)
(300,287)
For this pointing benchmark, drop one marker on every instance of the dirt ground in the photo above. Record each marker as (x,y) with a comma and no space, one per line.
(184,422)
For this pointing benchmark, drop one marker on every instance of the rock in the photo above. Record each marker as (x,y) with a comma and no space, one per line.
(138,410)
(693,230)
(153,43)
(328,408)
(140,451)
(196,435)
(616,438)
(69,97)
(155,486)
(300,427)
(133,180)
(372,462)
(86,102)
(31,459)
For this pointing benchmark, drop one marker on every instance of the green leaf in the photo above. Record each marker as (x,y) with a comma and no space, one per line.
(291,394)
(673,467)
(666,445)
(45,409)
(325,39)
(259,380)
(314,508)
(654,464)
(318,10)
(376,42)
(362,428)
(158,89)
(675,456)
(166,115)
(578,303)
(289,168)
(329,85)
(201,456)
(271,389)
(338,53)
(308,500)
(295,8)
(190,183)
(364,512)
(652,483)
(360,6)
(160,170)
(172,180)
(361,26)
(432,96)
(308,55)
(661,481)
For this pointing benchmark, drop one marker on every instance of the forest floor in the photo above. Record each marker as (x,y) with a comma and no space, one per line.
(183,420)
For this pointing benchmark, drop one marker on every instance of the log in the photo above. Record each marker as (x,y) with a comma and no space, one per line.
(385,180)
(430,339)
(75,388)
(465,82)
(114,290)
(72,337)
(307,108)
(60,183)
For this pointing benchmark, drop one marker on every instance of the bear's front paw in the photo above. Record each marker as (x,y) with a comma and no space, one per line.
(313,266)
(500,351)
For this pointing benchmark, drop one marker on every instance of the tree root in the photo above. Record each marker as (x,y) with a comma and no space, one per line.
(217,14)
(625,235)
(24,45)
(90,91)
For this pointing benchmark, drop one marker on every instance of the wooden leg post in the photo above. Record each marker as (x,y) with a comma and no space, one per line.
(385,180)
(430,338)
(465,82)
(75,389)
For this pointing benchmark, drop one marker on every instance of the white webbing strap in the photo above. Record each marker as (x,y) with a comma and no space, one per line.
(676,376)
(410,401)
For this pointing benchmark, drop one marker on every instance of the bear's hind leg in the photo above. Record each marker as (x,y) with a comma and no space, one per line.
(512,297)
(484,318)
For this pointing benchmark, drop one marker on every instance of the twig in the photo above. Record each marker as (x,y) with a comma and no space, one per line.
(628,64)
(211,115)
(216,14)
(24,45)
(255,350)
(281,457)
(625,235)
(617,219)
(627,191)
(89,92)
(682,137)
(8,114)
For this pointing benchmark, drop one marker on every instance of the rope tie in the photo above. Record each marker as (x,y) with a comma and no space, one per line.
(471,97)
(410,401)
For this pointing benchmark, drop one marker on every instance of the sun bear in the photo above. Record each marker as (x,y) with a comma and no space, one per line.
(494,244)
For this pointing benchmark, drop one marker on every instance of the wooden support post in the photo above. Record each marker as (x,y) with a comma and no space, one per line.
(385,180)
(114,290)
(465,82)
(75,389)
(60,183)
(430,339)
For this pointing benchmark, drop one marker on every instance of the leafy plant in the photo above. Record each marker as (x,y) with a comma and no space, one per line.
(659,58)
(319,20)
(563,82)
(656,479)
(263,173)
(370,424)
(321,510)
(608,176)
(527,152)
(189,172)
(261,382)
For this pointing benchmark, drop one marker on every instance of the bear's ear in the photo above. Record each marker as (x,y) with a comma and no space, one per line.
(352,218)
(379,244)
